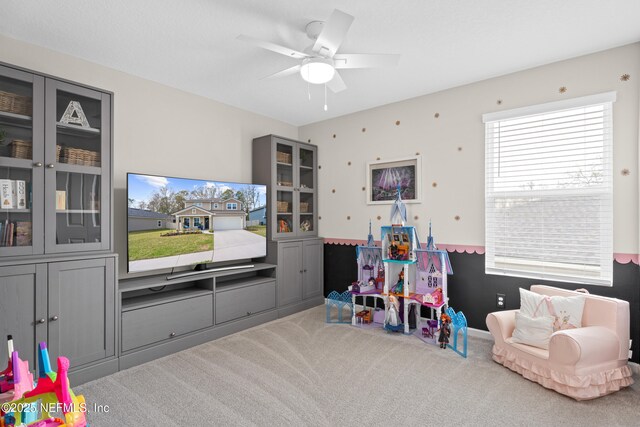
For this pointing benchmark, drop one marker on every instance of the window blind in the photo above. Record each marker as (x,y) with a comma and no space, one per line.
(549,191)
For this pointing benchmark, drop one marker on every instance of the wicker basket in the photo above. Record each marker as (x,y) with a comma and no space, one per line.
(21,149)
(58,151)
(78,156)
(16,104)
(285,184)
(304,207)
(283,207)
(283,157)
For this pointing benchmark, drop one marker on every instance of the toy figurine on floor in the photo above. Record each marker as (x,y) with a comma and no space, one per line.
(445,330)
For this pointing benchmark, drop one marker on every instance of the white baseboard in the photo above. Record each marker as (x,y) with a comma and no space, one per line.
(635,368)
(479,333)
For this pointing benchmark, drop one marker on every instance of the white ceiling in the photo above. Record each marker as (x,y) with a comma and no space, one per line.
(190,44)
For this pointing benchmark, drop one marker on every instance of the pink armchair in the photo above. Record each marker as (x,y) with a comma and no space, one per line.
(582,363)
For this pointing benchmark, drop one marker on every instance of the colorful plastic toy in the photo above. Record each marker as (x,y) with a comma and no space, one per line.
(16,379)
(53,391)
(459,324)
(340,301)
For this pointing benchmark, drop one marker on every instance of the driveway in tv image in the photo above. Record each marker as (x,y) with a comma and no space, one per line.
(229,245)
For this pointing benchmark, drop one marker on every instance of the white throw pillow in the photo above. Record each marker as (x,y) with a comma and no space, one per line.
(533,331)
(565,311)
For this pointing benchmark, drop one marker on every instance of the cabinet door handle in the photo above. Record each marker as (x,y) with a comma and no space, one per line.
(54,318)
(51,165)
(37,164)
(301,271)
(41,321)
(172,334)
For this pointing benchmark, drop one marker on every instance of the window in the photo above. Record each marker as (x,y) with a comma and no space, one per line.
(215,206)
(232,206)
(548,191)
(198,204)
(193,211)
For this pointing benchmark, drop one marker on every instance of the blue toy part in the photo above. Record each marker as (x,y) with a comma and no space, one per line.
(339,300)
(458,324)
(397,328)
(44,365)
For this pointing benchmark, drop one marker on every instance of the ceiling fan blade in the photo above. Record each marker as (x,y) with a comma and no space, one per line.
(284,73)
(365,60)
(333,33)
(336,84)
(272,47)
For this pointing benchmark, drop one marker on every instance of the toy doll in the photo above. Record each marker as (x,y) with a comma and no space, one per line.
(393,316)
(445,330)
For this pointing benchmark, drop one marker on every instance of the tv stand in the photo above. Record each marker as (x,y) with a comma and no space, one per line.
(199,269)
(159,316)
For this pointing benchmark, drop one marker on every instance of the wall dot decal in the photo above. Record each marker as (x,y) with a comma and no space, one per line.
(348,163)
(459,148)
(625,77)
(625,172)
(364,129)
(377,158)
(319,217)
(562,89)
(397,122)
(334,136)
(415,217)
(436,115)
(319,166)
(417,153)
(348,218)
(457,217)
(333,191)
(434,184)
(364,188)
(499,101)
(379,218)
(309,140)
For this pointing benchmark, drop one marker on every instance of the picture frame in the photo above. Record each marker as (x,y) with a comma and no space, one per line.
(383,177)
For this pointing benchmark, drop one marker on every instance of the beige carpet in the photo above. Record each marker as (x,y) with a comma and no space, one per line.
(301,371)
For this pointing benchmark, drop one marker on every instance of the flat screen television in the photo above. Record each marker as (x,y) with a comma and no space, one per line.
(176,222)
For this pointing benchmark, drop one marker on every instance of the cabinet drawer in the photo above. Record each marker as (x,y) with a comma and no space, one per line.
(159,322)
(241,302)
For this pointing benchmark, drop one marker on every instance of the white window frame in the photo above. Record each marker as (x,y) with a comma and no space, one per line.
(546,269)
(231,206)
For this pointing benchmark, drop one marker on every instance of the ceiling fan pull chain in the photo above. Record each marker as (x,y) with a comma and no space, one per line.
(308,90)
(325,97)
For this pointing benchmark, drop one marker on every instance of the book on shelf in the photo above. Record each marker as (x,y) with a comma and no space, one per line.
(23,233)
(13,194)
(6,195)
(61,200)
(21,194)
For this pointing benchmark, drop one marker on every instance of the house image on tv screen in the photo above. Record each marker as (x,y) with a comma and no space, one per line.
(211,214)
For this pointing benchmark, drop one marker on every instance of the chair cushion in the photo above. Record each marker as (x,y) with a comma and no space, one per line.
(566,311)
(535,331)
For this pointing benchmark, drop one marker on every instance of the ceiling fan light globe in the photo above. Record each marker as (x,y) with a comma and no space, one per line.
(317,70)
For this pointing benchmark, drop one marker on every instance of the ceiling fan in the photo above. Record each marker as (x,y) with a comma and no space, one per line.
(320,61)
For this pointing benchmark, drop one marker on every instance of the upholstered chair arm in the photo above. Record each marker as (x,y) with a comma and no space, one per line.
(501,324)
(589,345)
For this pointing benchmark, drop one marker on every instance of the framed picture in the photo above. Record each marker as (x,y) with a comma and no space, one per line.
(384,177)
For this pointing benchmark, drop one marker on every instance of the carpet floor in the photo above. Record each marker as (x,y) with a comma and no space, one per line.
(300,371)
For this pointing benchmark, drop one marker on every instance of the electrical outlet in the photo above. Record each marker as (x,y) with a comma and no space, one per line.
(501,301)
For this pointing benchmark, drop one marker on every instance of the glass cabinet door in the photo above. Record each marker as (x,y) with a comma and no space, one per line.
(284,190)
(77,168)
(307,210)
(21,161)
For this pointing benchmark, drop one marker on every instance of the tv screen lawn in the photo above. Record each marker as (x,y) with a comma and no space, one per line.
(174,222)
